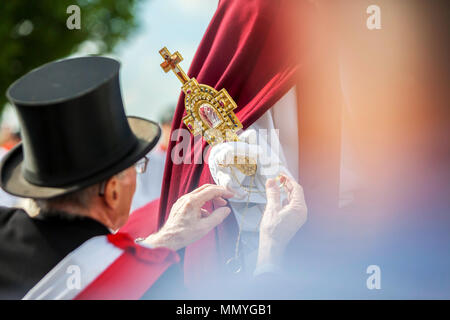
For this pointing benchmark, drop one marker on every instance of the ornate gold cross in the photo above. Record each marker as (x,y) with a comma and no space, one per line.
(209,112)
(171,62)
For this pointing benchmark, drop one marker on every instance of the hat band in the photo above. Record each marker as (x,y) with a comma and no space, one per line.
(62,179)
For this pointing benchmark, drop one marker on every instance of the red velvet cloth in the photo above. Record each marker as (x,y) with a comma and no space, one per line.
(143,221)
(253,49)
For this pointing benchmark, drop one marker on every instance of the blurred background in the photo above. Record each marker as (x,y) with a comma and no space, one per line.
(388,134)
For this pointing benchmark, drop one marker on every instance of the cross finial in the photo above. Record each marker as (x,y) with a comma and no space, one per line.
(171,62)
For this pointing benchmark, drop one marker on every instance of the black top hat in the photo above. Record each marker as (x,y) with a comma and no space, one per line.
(74,129)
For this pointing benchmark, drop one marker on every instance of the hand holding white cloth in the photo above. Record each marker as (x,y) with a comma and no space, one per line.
(251,189)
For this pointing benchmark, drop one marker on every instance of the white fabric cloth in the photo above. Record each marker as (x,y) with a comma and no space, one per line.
(249,145)
(265,141)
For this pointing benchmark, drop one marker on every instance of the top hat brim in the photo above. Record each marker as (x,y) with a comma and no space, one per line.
(12,180)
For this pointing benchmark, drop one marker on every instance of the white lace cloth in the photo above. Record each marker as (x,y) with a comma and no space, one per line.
(250,200)
(273,141)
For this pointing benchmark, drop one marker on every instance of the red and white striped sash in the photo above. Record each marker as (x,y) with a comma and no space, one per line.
(105,267)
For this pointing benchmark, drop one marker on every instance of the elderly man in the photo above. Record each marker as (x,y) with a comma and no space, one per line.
(78,160)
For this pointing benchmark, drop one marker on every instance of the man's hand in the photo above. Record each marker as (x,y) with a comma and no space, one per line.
(280,222)
(188,221)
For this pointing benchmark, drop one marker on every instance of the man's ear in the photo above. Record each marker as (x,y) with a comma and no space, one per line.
(111,196)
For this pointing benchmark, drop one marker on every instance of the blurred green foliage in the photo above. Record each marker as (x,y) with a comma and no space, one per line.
(33,32)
